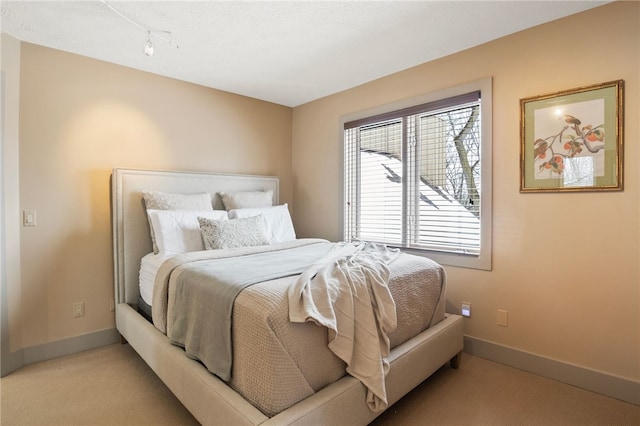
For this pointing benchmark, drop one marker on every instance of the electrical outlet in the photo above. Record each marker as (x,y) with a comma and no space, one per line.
(78,309)
(502,318)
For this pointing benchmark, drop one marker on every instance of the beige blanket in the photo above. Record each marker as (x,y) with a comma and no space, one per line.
(202,296)
(277,363)
(176,263)
(347,292)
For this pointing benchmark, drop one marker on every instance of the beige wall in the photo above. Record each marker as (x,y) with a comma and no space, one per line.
(79,118)
(573,297)
(565,266)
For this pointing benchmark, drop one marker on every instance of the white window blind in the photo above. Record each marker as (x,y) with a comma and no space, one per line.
(413,176)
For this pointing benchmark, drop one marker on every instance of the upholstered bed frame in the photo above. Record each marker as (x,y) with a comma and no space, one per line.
(208,398)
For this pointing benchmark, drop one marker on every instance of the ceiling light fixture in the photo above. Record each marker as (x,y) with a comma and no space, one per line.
(148,45)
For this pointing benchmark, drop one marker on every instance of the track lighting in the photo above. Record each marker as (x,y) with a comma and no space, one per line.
(159,34)
(148,46)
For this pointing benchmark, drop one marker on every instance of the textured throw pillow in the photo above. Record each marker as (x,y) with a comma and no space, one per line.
(178,231)
(277,218)
(221,234)
(246,199)
(156,200)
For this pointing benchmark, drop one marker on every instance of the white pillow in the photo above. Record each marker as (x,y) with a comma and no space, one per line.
(246,199)
(157,200)
(278,219)
(221,234)
(178,231)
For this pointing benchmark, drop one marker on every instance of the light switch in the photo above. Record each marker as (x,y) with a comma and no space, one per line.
(29,218)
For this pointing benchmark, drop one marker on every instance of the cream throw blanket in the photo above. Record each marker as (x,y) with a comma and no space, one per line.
(347,292)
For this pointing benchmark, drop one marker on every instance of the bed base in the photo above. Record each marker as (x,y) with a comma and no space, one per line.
(211,401)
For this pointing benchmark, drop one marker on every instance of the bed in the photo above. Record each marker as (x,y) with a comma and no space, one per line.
(207,397)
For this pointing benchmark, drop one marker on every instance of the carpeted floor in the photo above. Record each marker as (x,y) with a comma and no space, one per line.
(113,386)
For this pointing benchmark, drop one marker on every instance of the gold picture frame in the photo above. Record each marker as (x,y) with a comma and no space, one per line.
(572,140)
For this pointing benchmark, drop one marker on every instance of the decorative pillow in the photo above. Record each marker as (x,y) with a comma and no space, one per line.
(246,199)
(156,200)
(277,218)
(178,231)
(221,234)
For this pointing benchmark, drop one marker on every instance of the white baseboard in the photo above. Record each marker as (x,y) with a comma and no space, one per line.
(71,345)
(11,361)
(585,378)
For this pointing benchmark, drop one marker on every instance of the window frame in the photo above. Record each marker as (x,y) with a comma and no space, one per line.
(483,260)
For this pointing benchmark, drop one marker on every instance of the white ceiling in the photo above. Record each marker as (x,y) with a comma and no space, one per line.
(287,52)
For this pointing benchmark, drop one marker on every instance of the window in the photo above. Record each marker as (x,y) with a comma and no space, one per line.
(418,176)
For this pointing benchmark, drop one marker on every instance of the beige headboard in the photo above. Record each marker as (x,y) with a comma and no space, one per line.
(131,238)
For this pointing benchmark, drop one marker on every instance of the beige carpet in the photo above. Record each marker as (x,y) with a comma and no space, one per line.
(113,386)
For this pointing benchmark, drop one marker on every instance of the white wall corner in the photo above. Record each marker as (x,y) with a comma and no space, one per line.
(11,354)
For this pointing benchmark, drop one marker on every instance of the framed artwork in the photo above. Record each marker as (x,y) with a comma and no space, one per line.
(573,140)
